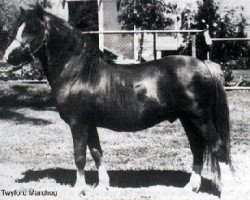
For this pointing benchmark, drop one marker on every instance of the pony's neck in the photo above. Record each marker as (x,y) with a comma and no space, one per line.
(63,43)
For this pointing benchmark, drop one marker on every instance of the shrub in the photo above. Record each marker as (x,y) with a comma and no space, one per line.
(228,73)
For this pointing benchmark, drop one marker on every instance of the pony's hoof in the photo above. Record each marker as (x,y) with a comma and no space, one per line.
(102,189)
(104,184)
(103,177)
(192,188)
(194,183)
(80,191)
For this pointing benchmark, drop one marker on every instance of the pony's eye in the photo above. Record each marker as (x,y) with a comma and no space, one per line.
(33,27)
(33,30)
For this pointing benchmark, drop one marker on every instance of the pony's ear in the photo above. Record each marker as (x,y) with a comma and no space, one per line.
(22,10)
(39,10)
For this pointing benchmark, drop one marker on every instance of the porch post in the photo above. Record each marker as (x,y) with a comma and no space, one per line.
(154,46)
(101,24)
(194,45)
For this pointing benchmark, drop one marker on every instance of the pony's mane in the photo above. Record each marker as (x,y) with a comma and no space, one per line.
(65,27)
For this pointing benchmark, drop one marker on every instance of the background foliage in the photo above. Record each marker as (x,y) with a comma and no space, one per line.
(9,11)
(223,22)
(144,14)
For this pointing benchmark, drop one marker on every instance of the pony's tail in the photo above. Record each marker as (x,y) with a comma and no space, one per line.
(221,122)
(220,119)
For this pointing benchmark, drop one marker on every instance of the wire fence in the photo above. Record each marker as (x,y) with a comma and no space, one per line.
(128,46)
(232,52)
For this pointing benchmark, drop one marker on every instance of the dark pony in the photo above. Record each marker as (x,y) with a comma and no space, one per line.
(91,92)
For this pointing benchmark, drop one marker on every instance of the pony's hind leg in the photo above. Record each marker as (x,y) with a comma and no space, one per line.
(221,158)
(96,152)
(220,150)
(202,134)
(80,135)
(197,145)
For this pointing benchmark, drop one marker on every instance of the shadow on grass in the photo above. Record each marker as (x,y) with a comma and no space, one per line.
(26,95)
(18,118)
(20,88)
(122,179)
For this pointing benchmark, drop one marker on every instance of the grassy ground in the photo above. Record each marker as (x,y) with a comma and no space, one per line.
(36,152)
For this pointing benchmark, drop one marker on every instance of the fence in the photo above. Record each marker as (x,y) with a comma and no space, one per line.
(226,50)
(126,44)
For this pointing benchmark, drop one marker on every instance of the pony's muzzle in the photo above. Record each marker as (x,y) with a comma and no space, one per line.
(13,60)
(19,56)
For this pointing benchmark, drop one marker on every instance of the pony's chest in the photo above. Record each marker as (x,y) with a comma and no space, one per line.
(72,94)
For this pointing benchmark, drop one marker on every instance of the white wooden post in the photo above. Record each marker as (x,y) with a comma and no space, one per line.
(101,24)
(194,45)
(136,39)
(158,55)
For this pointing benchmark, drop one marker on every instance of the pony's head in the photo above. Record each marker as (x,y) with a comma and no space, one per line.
(30,36)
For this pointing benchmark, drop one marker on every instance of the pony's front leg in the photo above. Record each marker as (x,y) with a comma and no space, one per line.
(80,137)
(195,179)
(96,152)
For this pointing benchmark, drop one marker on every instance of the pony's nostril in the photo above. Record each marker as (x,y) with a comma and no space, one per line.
(10,57)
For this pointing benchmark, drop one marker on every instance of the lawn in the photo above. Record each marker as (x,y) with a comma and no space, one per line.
(37,153)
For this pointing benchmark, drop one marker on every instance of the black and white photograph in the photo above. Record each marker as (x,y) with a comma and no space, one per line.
(124,99)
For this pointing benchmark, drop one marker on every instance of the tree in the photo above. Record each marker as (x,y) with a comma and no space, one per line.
(145,15)
(223,22)
(8,14)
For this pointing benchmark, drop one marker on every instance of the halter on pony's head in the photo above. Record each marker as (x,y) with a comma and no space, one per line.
(31,37)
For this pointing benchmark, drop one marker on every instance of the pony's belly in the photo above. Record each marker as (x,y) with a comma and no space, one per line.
(128,122)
